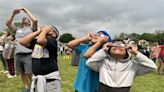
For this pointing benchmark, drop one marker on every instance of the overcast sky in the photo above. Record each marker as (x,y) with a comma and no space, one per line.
(82,16)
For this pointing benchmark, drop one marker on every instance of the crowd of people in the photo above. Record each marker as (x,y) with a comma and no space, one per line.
(34,48)
(64,51)
(105,64)
(153,51)
(7,45)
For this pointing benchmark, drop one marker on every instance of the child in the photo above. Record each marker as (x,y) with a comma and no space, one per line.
(4,61)
(117,70)
(86,79)
(9,55)
(43,43)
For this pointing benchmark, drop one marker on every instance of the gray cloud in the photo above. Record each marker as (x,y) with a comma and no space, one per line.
(82,16)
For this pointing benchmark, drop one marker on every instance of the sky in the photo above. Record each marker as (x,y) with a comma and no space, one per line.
(80,17)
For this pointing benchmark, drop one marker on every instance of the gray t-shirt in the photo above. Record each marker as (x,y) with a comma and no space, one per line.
(21,32)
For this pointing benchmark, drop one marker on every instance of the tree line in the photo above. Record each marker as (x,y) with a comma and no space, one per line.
(157,36)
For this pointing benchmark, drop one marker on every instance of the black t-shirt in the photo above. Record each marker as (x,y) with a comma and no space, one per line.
(45,65)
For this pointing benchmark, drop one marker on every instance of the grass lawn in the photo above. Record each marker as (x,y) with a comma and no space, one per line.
(146,83)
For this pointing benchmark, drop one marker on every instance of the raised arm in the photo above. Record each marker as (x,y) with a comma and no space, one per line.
(143,62)
(42,37)
(93,48)
(32,17)
(25,41)
(10,20)
(77,41)
(96,60)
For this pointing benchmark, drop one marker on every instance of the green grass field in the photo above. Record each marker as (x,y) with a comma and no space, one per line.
(146,83)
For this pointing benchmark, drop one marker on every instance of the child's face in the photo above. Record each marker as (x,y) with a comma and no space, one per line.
(95,37)
(118,49)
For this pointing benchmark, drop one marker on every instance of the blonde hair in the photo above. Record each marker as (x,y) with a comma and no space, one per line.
(155,43)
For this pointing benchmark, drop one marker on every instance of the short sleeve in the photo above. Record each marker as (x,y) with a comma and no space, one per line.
(51,43)
(32,44)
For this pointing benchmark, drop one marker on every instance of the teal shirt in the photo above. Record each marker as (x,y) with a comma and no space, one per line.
(86,80)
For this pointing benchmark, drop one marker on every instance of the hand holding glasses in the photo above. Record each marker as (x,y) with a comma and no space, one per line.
(131,48)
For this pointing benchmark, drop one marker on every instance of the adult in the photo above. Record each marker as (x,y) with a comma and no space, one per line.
(43,43)
(23,54)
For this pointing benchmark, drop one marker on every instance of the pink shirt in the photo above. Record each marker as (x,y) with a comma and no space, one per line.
(155,51)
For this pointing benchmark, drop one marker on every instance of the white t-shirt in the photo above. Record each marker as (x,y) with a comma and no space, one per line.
(1,40)
(1,48)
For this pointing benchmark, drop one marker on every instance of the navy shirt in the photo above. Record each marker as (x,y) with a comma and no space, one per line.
(42,63)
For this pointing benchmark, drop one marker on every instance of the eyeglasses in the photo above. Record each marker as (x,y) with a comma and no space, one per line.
(120,45)
(100,35)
